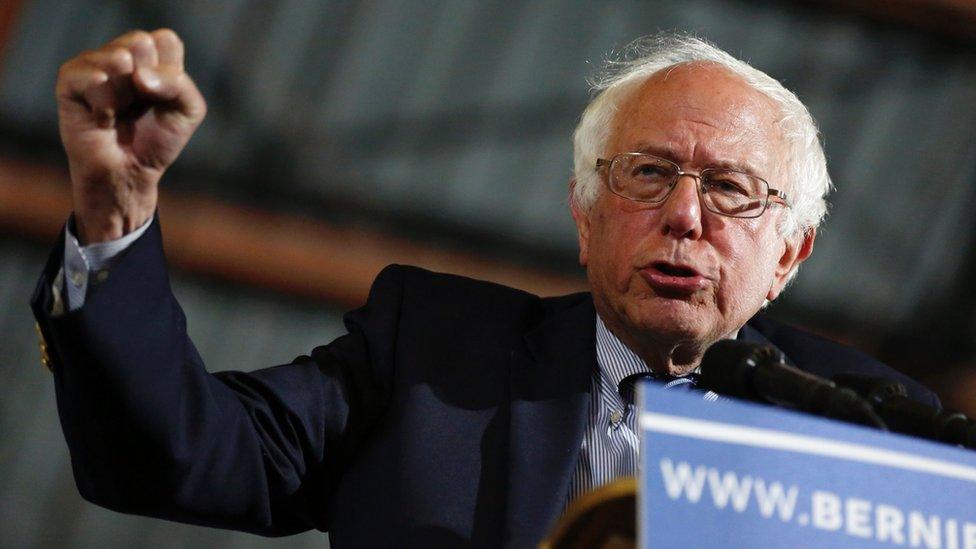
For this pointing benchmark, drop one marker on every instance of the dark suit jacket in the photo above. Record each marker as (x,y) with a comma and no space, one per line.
(450,414)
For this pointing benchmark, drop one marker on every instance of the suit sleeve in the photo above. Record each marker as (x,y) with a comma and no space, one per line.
(151,432)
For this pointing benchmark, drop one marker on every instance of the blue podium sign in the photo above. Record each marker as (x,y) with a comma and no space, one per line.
(737,474)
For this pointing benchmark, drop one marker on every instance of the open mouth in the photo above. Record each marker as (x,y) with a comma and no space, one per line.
(674,270)
(670,280)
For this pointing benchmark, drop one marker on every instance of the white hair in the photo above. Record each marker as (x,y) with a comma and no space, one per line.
(805,162)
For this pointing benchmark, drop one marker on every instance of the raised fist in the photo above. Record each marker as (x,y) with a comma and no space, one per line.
(125,111)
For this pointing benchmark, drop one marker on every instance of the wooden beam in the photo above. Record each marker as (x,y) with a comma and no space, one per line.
(301,256)
(8,15)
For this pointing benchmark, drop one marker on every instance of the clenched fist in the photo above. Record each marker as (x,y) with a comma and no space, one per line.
(126,110)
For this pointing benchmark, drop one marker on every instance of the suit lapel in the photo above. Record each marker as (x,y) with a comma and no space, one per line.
(550,391)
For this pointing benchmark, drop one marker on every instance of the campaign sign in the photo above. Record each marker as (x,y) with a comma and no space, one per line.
(737,474)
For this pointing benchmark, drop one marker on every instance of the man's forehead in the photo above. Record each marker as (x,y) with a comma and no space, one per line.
(675,152)
(699,112)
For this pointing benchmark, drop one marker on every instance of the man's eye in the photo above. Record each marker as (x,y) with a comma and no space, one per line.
(650,171)
(726,186)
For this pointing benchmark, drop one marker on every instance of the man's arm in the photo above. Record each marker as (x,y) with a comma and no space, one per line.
(150,431)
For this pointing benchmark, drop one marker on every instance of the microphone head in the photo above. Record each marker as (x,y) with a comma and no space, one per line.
(874,389)
(728,365)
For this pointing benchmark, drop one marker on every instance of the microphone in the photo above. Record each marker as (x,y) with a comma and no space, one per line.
(758,372)
(904,415)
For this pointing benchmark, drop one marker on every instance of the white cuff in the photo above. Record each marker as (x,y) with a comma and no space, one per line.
(96,259)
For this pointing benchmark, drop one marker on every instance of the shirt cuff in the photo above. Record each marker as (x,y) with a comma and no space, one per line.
(83,262)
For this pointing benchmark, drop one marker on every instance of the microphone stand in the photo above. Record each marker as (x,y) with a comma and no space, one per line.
(904,415)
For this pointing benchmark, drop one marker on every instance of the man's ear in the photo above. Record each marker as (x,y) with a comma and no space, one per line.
(582,219)
(796,251)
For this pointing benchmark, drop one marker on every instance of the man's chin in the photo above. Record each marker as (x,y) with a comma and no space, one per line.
(672,319)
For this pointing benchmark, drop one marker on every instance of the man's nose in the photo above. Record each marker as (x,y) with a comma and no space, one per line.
(681,212)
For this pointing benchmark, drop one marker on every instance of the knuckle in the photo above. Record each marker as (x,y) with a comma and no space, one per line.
(66,68)
(125,38)
(167,34)
(71,68)
(82,57)
(119,56)
(137,39)
(138,34)
(142,38)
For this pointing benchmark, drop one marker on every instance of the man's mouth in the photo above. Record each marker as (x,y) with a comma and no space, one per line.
(671,278)
(674,270)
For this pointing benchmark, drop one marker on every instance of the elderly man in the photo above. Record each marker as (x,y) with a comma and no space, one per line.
(454,411)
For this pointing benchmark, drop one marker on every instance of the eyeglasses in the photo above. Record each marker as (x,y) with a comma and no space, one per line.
(648,178)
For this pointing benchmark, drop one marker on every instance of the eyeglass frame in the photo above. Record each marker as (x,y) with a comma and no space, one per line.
(770,192)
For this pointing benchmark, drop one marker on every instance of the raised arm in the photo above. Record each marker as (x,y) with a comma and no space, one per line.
(150,431)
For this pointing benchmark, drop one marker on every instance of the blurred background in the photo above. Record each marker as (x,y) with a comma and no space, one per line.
(343,136)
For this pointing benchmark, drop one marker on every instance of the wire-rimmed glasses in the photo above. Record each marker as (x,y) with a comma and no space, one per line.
(647,178)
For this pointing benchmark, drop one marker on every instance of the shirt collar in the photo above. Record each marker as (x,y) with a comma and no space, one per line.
(616,360)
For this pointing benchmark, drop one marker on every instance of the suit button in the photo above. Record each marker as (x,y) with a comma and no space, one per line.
(42,346)
(616,417)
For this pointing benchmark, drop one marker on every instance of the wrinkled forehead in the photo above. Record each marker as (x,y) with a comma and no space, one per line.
(701,114)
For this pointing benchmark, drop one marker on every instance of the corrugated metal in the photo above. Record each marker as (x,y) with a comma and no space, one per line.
(457,116)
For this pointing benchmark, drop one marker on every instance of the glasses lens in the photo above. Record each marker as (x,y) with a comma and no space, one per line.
(734,193)
(642,177)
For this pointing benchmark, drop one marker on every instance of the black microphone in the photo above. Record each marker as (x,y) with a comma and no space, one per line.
(758,372)
(904,415)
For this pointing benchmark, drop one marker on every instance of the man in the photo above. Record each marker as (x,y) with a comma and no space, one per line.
(454,411)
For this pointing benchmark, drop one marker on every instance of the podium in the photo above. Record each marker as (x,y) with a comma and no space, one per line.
(737,474)
(734,474)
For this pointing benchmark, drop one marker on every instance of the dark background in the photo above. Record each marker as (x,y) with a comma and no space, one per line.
(346,135)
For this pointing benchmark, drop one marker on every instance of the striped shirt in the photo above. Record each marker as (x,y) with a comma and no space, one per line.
(611,445)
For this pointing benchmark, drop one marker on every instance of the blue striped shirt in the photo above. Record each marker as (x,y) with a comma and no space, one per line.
(610,446)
